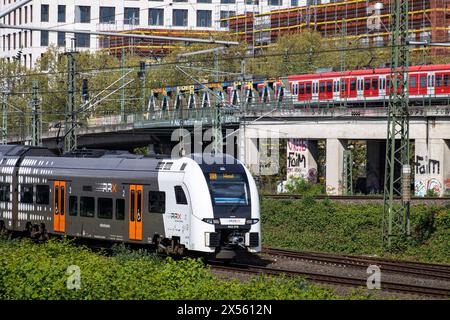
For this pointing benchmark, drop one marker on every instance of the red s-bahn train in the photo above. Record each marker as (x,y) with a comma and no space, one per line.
(370,86)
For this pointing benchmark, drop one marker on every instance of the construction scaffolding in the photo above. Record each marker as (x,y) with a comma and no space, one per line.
(366,21)
(153,48)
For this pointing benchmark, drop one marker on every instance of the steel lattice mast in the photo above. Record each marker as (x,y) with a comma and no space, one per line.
(396,217)
(36,136)
(70,137)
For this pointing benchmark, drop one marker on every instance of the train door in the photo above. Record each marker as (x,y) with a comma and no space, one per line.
(371,87)
(352,87)
(315,91)
(136,201)
(325,89)
(442,83)
(59,206)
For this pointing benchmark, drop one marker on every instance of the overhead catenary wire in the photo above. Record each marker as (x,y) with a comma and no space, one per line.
(241,57)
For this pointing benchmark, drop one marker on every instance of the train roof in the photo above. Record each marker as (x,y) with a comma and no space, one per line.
(20,150)
(37,157)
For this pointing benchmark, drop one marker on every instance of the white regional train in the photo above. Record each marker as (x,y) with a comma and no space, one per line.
(174,204)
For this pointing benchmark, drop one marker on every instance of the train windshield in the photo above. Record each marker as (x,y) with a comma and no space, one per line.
(228,188)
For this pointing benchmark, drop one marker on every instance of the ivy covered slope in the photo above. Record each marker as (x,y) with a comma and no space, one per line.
(38,271)
(312,225)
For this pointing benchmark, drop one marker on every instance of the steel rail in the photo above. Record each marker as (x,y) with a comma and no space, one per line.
(330,279)
(435,271)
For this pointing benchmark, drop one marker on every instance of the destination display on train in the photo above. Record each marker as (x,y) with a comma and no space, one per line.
(217,176)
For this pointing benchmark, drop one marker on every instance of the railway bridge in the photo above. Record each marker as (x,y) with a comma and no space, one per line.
(251,128)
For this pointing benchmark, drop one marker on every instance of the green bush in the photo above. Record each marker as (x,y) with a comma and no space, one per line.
(39,271)
(299,185)
(353,229)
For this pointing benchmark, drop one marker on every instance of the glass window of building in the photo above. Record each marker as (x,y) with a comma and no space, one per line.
(131,16)
(180,18)
(61,39)
(204,18)
(226,14)
(44,12)
(44,38)
(107,14)
(155,17)
(82,40)
(82,14)
(61,13)
(204,1)
(275,2)
(227,1)
(294,3)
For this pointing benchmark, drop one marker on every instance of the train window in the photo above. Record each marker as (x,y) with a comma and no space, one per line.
(439,81)
(352,85)
(157,201)
(63,199)
(431,81)
(344,85)
(56,200)
(308,88)
(180,196)
(367,84)
(329,86)
(132,205)
(87,207)
(374,84)
(423,81)
(120,209)
(322,87)
(104,208)
(26,195)
(139,205)
(412,82)
(87,188)
(4,192)
(73,206)
(447,80)
(42,194)
(228,189)
(302,89)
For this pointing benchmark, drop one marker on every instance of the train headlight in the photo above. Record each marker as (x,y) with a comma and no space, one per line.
(211,220)
(251,221)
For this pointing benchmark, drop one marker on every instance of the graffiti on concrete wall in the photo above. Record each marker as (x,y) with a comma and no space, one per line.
(424,165)
(425,168)
(298,160)
(435,185)
(447,186)
(420,188)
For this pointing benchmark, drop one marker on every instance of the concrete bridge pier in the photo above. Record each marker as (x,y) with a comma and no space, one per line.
(334,165)
(432,166)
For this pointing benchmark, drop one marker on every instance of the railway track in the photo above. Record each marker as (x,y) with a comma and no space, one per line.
(362,198)
(329,279)
(433,271)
